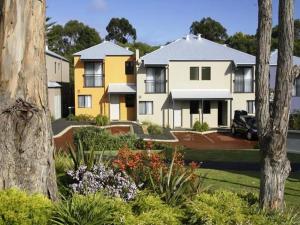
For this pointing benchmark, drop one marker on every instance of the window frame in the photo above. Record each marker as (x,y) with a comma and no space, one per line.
(243,80)
(204,104)
(130,72)
(145,102)
(156,82)
(205,67)
(253,106)
(93,75)
(197,70)
(84,96)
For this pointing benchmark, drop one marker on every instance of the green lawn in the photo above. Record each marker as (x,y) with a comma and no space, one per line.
(249,156)
(249,181)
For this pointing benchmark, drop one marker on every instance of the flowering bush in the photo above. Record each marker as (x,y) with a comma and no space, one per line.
(115,183)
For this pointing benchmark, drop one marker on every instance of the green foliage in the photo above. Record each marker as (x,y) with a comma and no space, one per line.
(209,29)
(243,42)
(142,47)
(120,30)
(200,127)
(82,118)
(177,183)
(154,129)
(101,120)
(100,140)
(73,37)
(224,207)
(92,210)
(71,117)
(19,208)
(295,121)
(150,209)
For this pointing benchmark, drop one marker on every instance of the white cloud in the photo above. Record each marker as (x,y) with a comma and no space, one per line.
(99,5)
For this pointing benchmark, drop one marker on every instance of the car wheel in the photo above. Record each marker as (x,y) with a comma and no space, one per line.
(249,135)
(233,132)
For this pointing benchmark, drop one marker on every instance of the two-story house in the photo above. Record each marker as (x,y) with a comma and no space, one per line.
(58,74)
(105,82)
(193,79)
(295,102)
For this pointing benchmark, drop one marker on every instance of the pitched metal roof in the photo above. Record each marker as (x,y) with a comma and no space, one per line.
(48,52)
(196,94)
(194,48)
(122,88)
(274,55)
(101,50)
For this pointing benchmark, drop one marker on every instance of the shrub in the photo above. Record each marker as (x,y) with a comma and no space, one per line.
(71,117)
(81,118)
(154,129)
(224,207)
(150,209)
(101,140)
(198,126)
(101,120)
(19,208)
(95,209)
(101,178)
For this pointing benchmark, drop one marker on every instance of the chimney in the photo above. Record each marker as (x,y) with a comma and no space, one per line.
(199,36)
(188,37)
(137,54)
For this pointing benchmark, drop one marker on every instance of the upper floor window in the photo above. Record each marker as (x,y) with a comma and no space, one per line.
(243,81)
(296,90)
(206,73)
(129,67)
(84,101)
(156,80)
(194,73)
(93,75)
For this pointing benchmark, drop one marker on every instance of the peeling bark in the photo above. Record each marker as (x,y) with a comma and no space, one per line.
(273,127)
(26,145)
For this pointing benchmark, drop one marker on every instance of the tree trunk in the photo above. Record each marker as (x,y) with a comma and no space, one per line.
(273,127)
(26,145)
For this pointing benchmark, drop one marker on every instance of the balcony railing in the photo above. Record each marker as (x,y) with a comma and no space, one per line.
(93,80)
(153,86)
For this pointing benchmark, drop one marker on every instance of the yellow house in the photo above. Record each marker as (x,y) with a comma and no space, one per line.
(105,82)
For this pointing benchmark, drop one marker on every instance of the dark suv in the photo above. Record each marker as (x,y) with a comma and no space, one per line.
(244,124)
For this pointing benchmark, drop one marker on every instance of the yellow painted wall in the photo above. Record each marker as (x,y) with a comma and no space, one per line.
(114,72)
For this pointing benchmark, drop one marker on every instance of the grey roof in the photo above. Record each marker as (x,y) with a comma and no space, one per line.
(274,55)
(48,52)
(122,88)
(194,48)
(101,50)
(196,94)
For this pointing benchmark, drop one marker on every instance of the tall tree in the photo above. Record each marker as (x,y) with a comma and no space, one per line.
(210,29)
(243,42)
(26,146)
(120,30)
(73,37)
(273,121)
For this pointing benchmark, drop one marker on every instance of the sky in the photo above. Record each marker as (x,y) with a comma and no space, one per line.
(160,21)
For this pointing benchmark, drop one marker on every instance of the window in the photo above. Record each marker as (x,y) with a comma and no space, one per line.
(84,101)
(156,80)
(243,82)
(146,108)
(93,76)
(194,73)
(296,91)
(205,73)
(251,107)
(194,107)
(129,101)
(54,67)
(129,67)
(206,107)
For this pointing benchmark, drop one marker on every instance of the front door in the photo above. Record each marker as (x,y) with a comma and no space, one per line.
(114,107)
(177,117)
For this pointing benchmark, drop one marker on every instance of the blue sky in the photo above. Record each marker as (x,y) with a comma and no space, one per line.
(159,21)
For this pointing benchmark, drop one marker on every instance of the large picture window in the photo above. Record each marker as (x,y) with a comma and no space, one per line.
(243,82)
(156,80)
(84,101)
(93,74)
(146,108)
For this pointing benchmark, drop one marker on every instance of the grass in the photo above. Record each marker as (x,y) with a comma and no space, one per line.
(249,181)
(246,156)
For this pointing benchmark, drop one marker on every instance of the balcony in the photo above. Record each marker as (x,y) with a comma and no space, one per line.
(154,86)
(93,80)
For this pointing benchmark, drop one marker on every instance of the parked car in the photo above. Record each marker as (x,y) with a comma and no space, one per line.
(244,124)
